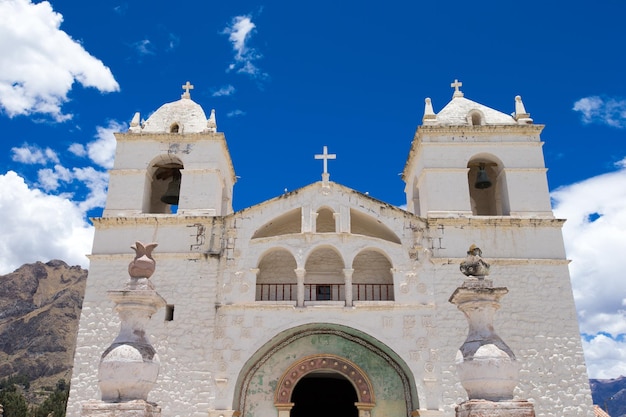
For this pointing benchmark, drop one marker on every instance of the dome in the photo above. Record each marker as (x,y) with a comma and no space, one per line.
(457,111)
(184,115)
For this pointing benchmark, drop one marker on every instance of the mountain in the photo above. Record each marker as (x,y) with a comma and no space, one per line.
(40,306)
(610,394)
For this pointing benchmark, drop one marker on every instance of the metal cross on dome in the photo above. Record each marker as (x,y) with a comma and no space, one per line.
(188,86)
(325,156)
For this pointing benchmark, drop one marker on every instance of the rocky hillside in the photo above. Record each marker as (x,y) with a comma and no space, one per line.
(39,310)
(610,394)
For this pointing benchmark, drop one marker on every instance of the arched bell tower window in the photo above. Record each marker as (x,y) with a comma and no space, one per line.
(487,187)
(163,181)
(475,118)
(174,128)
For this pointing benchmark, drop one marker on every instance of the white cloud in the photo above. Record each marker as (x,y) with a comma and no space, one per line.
(595,241)
(605,356)
(33,154)
(227,90)
(78,149)
(41,227)
(144,47)
(609,111)
(48,179)
(239,33)
(102,150)
(174,41)
(96,182)
(31,39)
(235,113)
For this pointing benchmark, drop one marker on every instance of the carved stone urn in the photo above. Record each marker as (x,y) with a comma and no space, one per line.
(487,367)
(129,367)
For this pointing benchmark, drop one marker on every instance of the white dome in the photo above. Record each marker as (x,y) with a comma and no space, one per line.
(456,113)
(187,114)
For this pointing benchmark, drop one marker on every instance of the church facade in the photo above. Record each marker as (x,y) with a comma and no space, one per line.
(325,301)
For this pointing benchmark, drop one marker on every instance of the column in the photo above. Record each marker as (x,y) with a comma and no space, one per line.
(347,275)
(300,272)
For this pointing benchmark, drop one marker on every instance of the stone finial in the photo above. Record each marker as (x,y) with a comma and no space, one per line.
(487,367)
(143,265)
(473,265)
(187,86)
(135,121)
(429,113)
(211,124)
(521,115)
(129,367)
(135,124)
(456,85)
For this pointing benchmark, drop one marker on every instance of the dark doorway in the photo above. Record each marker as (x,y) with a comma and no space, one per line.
(324,394)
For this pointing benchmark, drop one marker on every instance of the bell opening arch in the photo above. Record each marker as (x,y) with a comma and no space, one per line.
(487,186)
(162,186)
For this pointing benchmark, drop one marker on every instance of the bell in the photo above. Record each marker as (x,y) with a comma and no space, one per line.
(482,180)
(172,193)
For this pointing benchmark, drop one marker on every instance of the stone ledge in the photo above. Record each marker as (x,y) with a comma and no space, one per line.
(484,408)
(137,408)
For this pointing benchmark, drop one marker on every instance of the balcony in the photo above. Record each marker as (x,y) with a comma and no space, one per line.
(324,292)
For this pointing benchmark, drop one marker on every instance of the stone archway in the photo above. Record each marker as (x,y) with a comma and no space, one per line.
(324,363)
(387,374)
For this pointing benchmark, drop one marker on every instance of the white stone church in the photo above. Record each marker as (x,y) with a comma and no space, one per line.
(324,301)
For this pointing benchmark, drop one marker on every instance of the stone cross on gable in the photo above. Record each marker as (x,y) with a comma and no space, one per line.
(456,84)
(187,87)
(325,156)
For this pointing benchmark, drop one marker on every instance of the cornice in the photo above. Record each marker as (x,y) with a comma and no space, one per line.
(497,221)
(502,261)
(478,130)
(151,220)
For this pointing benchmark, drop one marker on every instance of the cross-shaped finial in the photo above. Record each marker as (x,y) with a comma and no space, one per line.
(326,156)
(187,87)
(456,84)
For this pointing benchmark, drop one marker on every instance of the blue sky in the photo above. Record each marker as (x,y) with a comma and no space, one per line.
(287,78)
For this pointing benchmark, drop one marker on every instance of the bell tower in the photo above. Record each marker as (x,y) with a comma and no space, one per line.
(471,160)
(174,162)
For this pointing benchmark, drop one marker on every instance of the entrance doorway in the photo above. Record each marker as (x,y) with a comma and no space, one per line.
(324,394)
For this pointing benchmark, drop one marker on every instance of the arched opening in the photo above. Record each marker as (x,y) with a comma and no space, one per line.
(487,187)
(325,222)
(276,279)
(287,223)
(163,182)
(382,380)
(372,279)
(324,279)
(174,128)
(475,118)
(363,224)
(324,394)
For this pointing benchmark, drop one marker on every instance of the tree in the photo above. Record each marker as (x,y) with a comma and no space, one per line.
(56,403)
(13,402)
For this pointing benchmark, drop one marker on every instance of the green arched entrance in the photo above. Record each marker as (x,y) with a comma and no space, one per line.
(319,356)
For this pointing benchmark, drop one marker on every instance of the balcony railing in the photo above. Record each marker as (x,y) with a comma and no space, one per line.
(324,292)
